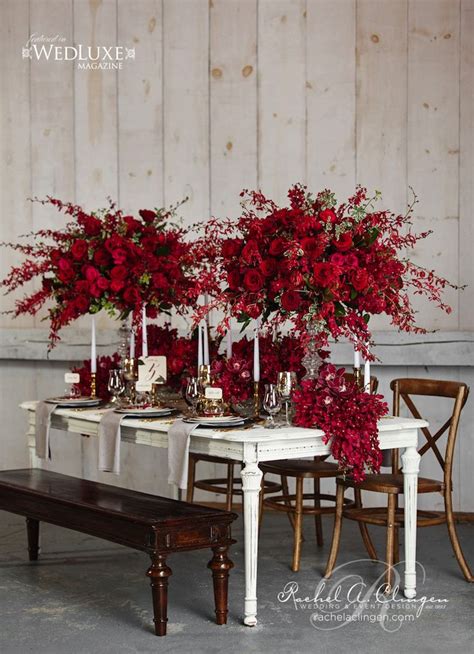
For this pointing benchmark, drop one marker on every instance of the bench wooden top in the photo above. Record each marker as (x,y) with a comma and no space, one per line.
(133,505)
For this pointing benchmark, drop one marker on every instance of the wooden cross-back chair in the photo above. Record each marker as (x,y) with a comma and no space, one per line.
(391,517)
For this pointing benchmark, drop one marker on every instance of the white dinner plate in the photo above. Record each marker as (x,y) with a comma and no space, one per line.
(147,412)
(65,402)
(214,420)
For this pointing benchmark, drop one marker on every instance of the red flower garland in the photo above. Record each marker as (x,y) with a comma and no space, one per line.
(348,417)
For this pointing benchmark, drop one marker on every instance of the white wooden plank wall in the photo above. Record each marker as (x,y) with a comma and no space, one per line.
(226,94)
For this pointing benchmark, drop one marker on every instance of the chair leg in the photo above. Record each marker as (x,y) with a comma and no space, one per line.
(32,530)
(318,523)
(336,533)
(284,487)
(298,525)
(159,573)
(191,477)
(230,486)
(364,532)
(453,536)
(220,565)
(390,539)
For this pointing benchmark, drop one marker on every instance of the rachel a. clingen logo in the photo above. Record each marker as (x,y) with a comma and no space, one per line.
(347,598)
(87,57)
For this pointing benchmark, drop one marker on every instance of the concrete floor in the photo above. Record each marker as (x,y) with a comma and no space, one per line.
(87,596)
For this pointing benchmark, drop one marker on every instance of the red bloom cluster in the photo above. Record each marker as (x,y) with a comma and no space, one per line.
(333,265)
(235,375)
(348,417)
(104,365)
(107,260)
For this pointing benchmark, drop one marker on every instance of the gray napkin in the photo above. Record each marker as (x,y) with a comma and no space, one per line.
(179,435)
(42,427)
(109,441)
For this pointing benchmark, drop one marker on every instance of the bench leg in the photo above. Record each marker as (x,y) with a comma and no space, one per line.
(32,530)
(220,565)
(159,573)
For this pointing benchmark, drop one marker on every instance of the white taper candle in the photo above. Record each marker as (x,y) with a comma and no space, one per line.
(356,358)
(205,343)
(256,357)
(132,344)
(144,333)
(200,361)
(93,347)
(367,376)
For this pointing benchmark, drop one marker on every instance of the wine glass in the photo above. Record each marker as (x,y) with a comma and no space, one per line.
(192,393)
(115,385)
(286,385)
(271,404)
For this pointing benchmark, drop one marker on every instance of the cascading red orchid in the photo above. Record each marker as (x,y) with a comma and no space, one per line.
(107,260)
(347,416)
(322,263)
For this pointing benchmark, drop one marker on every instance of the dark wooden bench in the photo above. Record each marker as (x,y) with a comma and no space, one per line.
(156,525)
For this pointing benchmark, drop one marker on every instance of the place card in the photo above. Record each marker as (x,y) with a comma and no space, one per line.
(152,370)
(213,393)
(72,378)
(143,386)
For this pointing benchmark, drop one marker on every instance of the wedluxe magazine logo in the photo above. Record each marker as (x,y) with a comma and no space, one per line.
(87,57)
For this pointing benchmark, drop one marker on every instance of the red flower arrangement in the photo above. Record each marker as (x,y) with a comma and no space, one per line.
(107,260)
(319,262)
(104,365)
(348,417)
(235,375)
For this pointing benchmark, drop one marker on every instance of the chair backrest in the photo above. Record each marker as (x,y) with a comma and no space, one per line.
(374,382)
(404,389)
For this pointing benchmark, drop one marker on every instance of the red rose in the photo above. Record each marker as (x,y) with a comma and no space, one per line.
(101,257)
(233,279)
(268,267)
(250,252)
(65,270)
(114,242)
(160,281)
(325,274)
(290,300)
(277,247)
(102,283)
(131,295)
(119,256)
(79,249)
(82,304)
(360,279)
(344,242)
(254,310)
(337,259)
(313,247)
(328,216)
(91,273)
(116,285)
(92,226)
(253,280)
(119,272)
(147,215)
(82,286)
(231,247)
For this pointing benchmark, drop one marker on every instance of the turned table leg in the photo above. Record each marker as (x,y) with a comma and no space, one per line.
(32,530)
(220,565)
(411,465)
(159,573)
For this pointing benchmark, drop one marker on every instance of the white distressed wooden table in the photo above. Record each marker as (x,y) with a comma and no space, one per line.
(253,446)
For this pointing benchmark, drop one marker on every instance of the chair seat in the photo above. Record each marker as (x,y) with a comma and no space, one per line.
(301,468)
(390,483)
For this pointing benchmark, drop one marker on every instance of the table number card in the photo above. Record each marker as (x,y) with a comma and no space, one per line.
(152,370)
(213,393)
(143,386)
(72,378)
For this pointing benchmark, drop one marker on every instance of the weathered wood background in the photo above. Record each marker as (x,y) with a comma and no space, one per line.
(226,94)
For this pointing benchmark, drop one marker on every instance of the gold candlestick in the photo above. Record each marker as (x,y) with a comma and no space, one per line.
(358,377)
(256,398)
(93,385)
